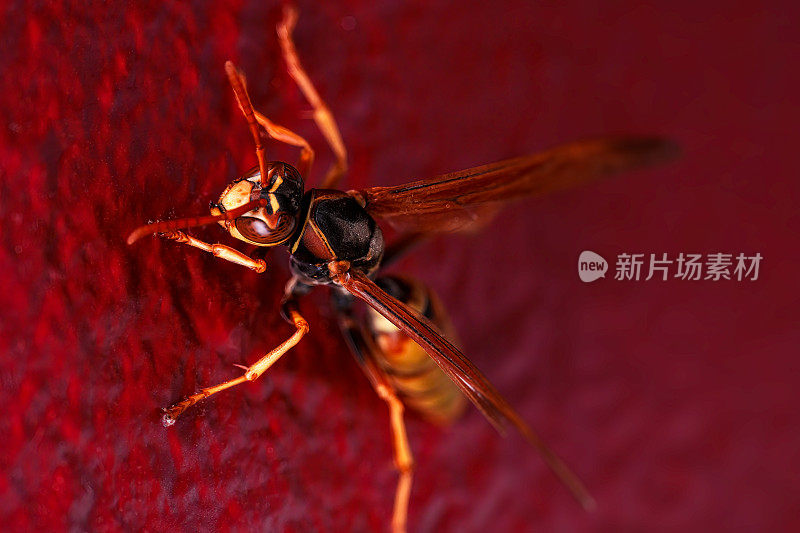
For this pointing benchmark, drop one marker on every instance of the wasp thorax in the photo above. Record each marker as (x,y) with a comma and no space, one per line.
(276,221)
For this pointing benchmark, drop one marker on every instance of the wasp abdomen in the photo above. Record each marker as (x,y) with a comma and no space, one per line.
(416,377)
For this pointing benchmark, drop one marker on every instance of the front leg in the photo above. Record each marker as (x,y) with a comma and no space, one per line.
(252,372)
(219,250)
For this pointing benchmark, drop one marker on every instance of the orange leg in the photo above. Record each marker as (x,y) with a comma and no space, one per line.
(403,460)
(219,250)
(279,133)
(251,373)
(322,115)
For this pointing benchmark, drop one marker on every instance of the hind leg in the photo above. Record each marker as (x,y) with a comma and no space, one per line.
(403,460)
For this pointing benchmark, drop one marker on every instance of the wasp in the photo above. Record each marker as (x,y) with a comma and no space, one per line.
(402,338)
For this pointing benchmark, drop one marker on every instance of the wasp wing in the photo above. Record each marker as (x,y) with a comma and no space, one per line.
(466,375)
(462,200)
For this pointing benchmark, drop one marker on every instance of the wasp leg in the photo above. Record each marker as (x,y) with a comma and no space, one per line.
(252,372)
(322,115)
(285,135)
(219,250)
(403,460)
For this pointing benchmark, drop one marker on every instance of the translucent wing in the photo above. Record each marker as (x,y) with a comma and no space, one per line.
(469,379)
(461,200)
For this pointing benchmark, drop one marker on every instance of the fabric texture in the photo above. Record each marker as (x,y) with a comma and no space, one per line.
(675,401)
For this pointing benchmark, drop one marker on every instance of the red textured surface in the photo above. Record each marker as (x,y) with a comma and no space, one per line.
(675,401)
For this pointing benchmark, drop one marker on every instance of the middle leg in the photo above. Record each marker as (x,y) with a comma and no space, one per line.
(322,115)
(252,372)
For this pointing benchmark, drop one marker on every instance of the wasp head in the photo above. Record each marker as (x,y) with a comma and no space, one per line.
(274,222)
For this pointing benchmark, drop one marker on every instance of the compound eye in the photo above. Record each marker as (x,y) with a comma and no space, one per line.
(254,229)
(257,230)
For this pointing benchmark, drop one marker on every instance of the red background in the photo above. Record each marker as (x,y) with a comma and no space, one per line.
(675,401)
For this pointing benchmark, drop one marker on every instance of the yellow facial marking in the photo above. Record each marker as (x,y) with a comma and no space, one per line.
(277,184)
(237,195)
